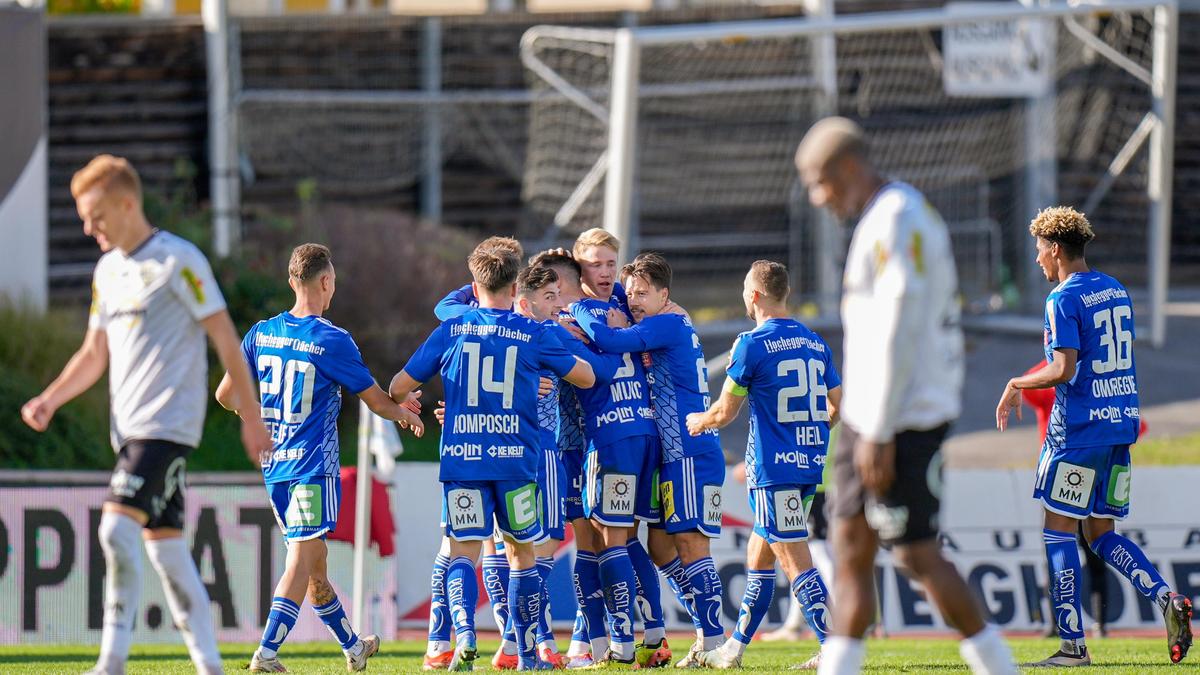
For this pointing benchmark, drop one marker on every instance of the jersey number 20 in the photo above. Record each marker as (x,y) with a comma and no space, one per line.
(275,374)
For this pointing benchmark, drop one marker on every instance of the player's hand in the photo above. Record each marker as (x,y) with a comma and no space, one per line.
(561,251)
(739,472)
(695,423)
(1010,400)
(545,386)
(440,413)
(876,465)
(572,327)
(37,413)
(672,308)
(256,440)
(412,421)
(412,402)
(617,319)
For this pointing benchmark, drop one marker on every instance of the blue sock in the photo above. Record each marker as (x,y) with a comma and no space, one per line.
(706,594)
(280,621)
(1065,577)
(1128,559)
(579,630)
(335,620)
(809,590)
(495,584)
(620,587)
(649,592)
(587,578)
(545,634)
(525,606)
(678,583)
(756,600)
(463,593)
(439,610)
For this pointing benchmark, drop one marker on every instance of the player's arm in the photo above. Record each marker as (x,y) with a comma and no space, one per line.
(1054,373)
(255,439)
(422,366)
(455,304)
(581,374)
(386,407)
(650,334)
(83,369)
(833,402)
(723,411)
(402,386)
(898,304)
(554,357)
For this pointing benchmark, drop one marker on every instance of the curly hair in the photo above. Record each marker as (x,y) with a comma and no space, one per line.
(1064,226)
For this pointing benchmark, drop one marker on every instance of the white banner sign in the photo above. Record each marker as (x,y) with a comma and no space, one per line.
(1007,58)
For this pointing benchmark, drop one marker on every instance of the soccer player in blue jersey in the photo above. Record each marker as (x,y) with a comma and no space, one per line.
(303,361)
(489,360)
(787,371)
(693,467)
(1084,470)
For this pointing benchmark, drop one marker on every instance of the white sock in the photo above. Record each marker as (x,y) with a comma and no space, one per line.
(987,653)
(795,616)
(1072,646)
(841,655)
(654,636)
(550,644)
(713,642)
(437,647)
(578,648)
(623,650)
(188,599)
(599,647)
(356,648)
(121,539)
(734,647)
(508,647)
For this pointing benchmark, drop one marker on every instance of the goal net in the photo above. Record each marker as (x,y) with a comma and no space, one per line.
(991,118)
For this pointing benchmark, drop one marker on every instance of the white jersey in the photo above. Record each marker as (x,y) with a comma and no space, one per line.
(150,303)
(903,356)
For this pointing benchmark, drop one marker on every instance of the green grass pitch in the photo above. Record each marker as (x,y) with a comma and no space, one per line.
(1119,656)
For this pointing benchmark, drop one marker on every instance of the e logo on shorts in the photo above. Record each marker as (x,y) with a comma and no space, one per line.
(1072,484)
(1118,486)
(789,511)
(619,491)
(304,506)
(465,508)
(712,505)
(522,507)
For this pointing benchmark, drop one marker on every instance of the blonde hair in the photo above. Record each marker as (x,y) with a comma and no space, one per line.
(106,171)
(596,237)
(1064,226)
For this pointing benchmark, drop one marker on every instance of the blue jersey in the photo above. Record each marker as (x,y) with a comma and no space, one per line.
(1091,312)
(490,360)
(678,376)
(302,364)
(617,407)
(461,300)
(787,370)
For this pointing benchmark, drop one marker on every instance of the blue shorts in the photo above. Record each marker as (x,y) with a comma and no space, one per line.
(691,493)
(552,480)
(1082,482)
(619,482)
(306,508)
(573,500)
(473,510)
(781,511)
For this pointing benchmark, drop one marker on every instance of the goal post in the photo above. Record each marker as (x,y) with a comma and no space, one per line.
(690,130)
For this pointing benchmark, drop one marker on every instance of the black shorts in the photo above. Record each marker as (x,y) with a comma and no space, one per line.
(150,476)
(908,512)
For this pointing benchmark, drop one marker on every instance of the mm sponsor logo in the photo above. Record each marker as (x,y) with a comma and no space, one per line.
(465,508)
(712,505)
(1073,484)
(619,490)
(789,511)
(469,452)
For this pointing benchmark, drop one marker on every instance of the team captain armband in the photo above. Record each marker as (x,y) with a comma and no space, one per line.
(735,388)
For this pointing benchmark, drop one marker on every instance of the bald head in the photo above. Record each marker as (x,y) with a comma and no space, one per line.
(828,140)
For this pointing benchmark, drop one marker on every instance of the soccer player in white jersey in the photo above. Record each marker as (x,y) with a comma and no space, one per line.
(1083,474)
(787,371)
(302,362)
(902,371)
(154,299)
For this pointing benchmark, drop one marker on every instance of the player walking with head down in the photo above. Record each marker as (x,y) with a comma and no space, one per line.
(302,362)
(489,359)
(902,370)
(1083,473)
(153,300)
(787,371)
